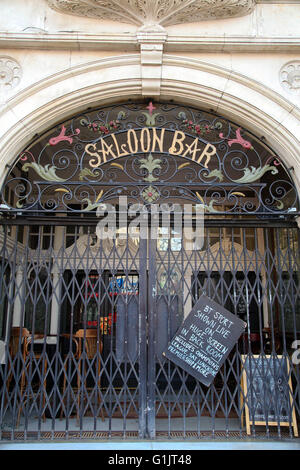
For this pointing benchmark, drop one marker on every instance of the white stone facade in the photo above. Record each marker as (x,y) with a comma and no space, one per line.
(237,58)
(53,64)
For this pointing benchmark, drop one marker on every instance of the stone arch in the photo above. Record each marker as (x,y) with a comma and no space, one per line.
(186,80)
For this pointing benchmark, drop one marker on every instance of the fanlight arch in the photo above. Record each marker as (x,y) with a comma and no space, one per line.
(151,153)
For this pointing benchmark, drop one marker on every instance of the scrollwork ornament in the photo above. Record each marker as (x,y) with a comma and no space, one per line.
(192,155)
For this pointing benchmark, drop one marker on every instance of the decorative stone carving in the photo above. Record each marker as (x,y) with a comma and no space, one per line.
(153,13)
(10,73)
(289,77)
(151,44)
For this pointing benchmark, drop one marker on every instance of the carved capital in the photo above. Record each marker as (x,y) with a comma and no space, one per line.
(297,219)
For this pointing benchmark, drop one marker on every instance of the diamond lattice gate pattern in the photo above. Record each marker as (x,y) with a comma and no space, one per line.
(251,271)
(98,315)
(79,362)
(113,224)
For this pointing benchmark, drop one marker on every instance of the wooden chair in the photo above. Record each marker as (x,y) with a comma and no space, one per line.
(20,356)
(88,346)
(268,340)
(254,339)
(17,345)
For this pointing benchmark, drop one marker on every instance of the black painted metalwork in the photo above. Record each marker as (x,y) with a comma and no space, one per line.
(150,154)
(61,284)
(134,294)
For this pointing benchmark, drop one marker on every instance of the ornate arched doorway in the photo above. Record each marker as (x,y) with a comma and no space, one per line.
(114,224)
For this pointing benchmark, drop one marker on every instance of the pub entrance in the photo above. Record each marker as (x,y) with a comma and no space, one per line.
(86,318)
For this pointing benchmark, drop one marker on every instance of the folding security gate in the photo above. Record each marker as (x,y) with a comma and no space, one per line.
(130,295)
(85,320)
(81,362)
(251,271)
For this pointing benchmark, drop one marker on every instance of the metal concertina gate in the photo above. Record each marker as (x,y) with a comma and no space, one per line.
(85,320)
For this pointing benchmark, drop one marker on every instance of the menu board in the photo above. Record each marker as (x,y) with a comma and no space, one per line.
(205,339)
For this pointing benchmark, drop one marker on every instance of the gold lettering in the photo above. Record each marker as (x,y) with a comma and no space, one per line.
(158,140)
(192,149)
(208,152)
(116,144)
(129,141)
(106,150)
(177,139)
(125,152)
(146,142)
(145,148)
(93,163)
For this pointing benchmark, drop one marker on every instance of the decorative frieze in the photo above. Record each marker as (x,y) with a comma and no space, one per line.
(154,12)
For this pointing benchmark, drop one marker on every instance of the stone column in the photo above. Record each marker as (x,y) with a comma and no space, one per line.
(19,302)
(55,303)
(56,283)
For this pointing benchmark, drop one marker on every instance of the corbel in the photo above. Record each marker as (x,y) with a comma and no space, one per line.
(151,49)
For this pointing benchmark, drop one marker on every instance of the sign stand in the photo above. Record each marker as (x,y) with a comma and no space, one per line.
(256,375)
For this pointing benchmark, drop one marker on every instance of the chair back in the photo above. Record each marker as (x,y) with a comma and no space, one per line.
(91,341)
(18,338)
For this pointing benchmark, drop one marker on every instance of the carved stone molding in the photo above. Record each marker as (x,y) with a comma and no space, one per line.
(289,77)
(151,14)
(10,73)
(151,46)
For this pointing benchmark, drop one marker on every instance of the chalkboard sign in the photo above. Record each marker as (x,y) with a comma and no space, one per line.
(205,339)
(267,391)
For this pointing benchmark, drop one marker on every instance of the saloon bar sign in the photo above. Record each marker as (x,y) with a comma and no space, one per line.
(204,341)
(149,140)
(150,154)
